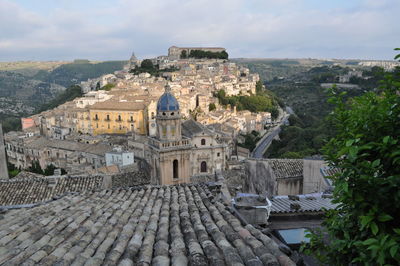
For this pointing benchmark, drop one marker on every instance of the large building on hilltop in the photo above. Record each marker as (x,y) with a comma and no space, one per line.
(179,150)
(175,52)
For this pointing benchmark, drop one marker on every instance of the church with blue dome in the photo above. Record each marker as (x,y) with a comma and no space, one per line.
(181,151)
(167,101)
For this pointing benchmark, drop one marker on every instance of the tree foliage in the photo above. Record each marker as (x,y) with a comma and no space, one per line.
(199,54)
(261,102)
(183,54)
(147,64)
(304,136)
(35,168)
(211,107)
(107,87)
(364,229)
(68,95)
(250,140)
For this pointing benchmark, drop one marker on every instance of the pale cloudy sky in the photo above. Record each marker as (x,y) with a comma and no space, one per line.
(105,30)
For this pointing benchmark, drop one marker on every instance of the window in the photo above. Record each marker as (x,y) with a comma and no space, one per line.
(218,154)
(173,131)
(108,126)
(131,118)
(175,169)
(96,117)
(119,117)
(203,167)
(203,142)
(108,117)
(152,115)
(164,131)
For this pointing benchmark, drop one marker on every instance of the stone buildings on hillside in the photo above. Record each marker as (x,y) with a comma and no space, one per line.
(130,106)
(71,135)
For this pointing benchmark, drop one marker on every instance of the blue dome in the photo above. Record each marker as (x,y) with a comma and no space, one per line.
(167,102)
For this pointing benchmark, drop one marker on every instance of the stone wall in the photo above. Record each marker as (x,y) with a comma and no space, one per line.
(313,179)
(290,186)
(259,178)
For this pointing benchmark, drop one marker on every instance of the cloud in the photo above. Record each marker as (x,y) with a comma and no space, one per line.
(248,28)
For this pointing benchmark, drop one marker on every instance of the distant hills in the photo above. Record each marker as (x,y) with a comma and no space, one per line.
(25,87)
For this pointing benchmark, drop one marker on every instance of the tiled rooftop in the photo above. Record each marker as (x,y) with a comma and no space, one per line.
(285,168)
(300,204)
(168,225)
(34,190)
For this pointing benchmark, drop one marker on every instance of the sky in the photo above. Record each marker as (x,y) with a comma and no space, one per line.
(44,30)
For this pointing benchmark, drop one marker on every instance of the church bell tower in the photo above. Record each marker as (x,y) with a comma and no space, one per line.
(168,117)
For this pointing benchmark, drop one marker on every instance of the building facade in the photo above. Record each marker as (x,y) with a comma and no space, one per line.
(179,150)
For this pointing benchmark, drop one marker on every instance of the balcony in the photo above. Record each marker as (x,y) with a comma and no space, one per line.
(175,144)
(119,120)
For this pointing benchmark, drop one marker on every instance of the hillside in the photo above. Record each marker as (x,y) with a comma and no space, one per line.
(303,85)
(73,73)
(27,87)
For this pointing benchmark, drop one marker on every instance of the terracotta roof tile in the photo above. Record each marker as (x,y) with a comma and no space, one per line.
(158,225)
(34,190)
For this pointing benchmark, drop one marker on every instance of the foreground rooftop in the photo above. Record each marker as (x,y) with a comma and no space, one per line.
(158,225)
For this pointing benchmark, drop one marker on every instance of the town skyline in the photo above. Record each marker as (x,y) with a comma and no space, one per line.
(67,30)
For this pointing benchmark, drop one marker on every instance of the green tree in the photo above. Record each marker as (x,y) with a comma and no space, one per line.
(147,64)
(259,86)
(107,87)
(36,168)
(364,229)
(211,107)
(183,54)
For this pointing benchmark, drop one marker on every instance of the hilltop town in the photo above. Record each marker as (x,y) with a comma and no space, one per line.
(150,166)
(117,112)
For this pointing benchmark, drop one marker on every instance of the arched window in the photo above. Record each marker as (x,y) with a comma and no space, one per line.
(96,117)
(203,167)
(119,117)
(175,169)
(203,142)
(152,115)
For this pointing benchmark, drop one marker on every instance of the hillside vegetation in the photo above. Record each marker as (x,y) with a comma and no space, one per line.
(70,74)
(299,86)
(262,101)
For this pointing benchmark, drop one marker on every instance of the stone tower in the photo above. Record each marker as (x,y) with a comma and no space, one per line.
(170,151)
(3,159)
(168,117)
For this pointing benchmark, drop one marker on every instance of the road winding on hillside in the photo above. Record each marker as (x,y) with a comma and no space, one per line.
(266,140)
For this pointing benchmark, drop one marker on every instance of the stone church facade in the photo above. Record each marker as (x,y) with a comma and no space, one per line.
(180,150)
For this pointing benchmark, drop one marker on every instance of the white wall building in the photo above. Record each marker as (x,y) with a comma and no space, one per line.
(120,158)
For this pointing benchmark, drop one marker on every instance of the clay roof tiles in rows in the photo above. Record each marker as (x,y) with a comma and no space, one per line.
(35,190)
(168,225)
(301,203)
(286,168)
